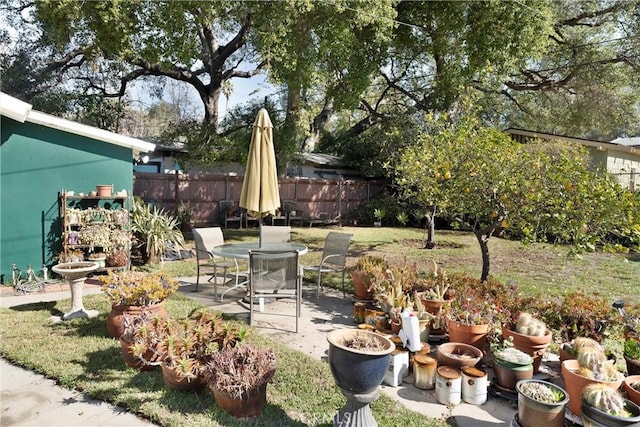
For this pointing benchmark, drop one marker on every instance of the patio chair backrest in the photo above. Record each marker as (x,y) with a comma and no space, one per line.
(206,239)
(275,234)
(336,249)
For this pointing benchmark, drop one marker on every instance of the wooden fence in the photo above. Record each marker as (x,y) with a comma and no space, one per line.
(202,193)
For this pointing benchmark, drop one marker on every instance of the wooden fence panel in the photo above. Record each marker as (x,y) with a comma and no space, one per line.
(201,194)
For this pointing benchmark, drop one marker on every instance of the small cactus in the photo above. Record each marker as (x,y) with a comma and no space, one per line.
(528,325)
(605,399)
(582,343)
(540,392)
(590,358)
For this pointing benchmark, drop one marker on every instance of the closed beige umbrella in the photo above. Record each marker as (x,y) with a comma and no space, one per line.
(260,195)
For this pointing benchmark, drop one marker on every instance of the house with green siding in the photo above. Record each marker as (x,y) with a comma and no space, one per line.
(42,156)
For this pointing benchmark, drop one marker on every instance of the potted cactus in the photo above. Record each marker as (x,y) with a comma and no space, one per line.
(365,273)
(631,354)
(602,405)
(529,335)
(541,403)
(590,367)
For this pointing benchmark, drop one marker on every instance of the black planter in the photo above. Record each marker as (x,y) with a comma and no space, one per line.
(358,371)
(592,416)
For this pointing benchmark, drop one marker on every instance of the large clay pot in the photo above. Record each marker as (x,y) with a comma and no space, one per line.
(249,405)
(114,318)
(575,384)
(593,417)
(632,394)
(533,346)
(532,413)
(175,381)
(360,288)
(133,361)
(506,375)
(475,335)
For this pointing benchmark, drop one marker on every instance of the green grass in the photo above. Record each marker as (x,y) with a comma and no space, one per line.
(538,268)
(79,354)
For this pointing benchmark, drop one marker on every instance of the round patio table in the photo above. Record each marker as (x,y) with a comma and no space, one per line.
(241,251)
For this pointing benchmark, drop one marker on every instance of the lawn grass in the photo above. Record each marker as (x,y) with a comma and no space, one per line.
(537,268)
(79,354)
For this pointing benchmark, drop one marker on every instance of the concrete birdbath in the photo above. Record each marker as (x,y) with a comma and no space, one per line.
(75,273)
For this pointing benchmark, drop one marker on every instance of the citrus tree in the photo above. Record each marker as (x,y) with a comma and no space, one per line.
(482,180)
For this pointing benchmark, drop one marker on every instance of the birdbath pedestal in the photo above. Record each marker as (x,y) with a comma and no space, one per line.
(75,273)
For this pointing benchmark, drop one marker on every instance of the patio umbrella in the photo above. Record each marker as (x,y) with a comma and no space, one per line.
(260,195)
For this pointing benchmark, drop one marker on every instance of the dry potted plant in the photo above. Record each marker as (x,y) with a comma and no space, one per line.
(183,347)
(365,273)
(238,377)
(133,292)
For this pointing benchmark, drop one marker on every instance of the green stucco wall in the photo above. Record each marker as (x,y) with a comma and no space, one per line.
(36,163)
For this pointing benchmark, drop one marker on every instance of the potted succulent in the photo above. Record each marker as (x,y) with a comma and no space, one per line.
(367,270)
(182,348)
(379,213)
(136,354)
(471,314)
(154,231)
(510,365)
(632,388)
(390,293)
(433,292)
(133,292)
(541,403)
(631,352)
(238,378)
(529,335)
(604,406)
(590,367)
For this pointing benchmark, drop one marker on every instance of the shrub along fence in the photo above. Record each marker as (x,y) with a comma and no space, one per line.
(201,194)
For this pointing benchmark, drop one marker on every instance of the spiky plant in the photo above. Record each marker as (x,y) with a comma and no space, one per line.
(605,399)
(541,392)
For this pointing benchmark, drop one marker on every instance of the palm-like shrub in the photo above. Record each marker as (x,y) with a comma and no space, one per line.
(155,230)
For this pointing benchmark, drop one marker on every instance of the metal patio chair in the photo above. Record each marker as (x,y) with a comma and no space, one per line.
(206,239)
(334,258)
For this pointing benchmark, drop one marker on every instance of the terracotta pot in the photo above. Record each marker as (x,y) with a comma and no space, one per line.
(359,288)
(175,381)
(475,335)
(533,346)
(458,355)
(575,384)
(133,361)
(114,318)
(396,325)
(532,413)
(249,405)
(633,366)
(434,306)
(104,190)
(564,354)
(632,394)
(506,375)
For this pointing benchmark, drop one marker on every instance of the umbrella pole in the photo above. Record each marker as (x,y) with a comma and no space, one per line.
(260,231)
